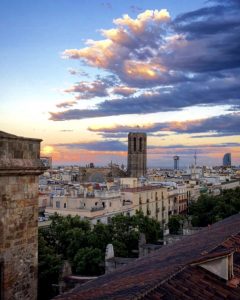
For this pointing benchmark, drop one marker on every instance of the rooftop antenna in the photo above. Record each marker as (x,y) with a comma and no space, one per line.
(195,158)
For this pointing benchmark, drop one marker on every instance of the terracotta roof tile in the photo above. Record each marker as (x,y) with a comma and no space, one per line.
(167,273)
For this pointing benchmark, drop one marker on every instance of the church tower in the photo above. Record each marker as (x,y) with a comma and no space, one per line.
(137,154)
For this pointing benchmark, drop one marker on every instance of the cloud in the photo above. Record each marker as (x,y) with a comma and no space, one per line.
(188,61)
(124,91)
(131,40)
(66,104)
(89,90)
(195,147)
(109,145)
(169,99)
(72,71)
(66,130)
(223,125)
(78,72)
(135,8)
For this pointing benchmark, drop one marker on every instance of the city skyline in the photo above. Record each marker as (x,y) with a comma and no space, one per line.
(82,74)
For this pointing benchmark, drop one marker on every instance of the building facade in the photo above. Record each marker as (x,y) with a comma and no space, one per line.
(137,154)
(20,166)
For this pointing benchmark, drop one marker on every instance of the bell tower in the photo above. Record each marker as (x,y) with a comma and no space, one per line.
(137,154)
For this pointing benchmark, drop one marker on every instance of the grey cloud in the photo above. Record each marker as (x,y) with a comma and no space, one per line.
(175,98)
(109,145)
(223,125)
(89,90)
(197,148)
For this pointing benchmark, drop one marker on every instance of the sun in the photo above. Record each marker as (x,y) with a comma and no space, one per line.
(47,150)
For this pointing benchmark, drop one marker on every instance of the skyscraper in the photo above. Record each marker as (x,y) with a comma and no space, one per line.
(137,154)
(176,162)
(227,160)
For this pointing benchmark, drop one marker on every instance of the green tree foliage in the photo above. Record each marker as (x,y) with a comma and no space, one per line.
(174,224)
(100,236)
(150,227)
(124,237)
(70,238)
(48,268)
(210,209)
(88,261)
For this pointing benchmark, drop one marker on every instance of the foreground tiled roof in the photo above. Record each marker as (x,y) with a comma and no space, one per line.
(167,273)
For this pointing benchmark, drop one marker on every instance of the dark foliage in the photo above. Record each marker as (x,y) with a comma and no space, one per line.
(210,209)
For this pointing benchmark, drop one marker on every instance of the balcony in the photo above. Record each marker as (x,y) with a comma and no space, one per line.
(127,202)
(97,208)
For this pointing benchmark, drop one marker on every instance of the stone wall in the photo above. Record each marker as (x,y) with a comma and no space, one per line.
(19,170)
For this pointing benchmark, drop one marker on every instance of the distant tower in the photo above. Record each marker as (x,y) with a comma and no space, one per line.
(137,154)
(227,161)
(195,158)
(176,162)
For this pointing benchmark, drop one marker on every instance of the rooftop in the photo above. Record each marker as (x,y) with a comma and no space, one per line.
(142,188)
(168,273)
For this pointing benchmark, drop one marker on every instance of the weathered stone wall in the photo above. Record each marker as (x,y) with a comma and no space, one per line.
(19,170)
(137,154)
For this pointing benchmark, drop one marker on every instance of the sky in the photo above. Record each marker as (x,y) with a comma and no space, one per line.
(82,74)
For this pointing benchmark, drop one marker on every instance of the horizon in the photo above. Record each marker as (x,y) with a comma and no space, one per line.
(81,75)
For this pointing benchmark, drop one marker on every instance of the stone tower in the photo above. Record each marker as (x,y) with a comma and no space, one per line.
(19,169)
(137,154)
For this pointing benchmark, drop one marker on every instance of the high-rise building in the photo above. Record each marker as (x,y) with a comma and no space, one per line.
(227,160)
(176,162)
(137,154)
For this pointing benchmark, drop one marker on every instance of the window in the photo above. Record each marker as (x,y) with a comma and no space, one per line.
(134,144)
(65,205)
(57,204)
(140,144)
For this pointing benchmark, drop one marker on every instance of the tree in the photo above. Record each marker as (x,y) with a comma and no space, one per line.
(49,265)
(124,236)
(100,236)
(70,238)
(209,209)
(88,261)
(174,224)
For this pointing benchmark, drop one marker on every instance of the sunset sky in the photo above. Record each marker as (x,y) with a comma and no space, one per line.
(82,74)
